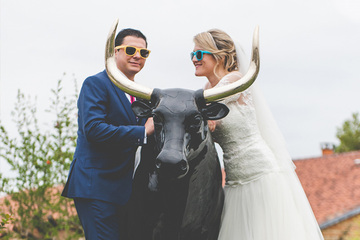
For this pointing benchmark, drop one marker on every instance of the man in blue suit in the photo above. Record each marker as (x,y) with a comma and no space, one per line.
(100,176)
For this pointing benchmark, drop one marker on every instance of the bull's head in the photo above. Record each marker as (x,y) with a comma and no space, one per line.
(180,126)
(180,115)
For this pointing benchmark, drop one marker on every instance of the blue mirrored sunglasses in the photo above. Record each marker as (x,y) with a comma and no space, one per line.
(199,54)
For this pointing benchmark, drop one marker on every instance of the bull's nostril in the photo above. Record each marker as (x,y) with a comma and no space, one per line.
(158,164)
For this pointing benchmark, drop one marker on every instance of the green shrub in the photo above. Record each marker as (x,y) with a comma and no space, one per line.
(40,159)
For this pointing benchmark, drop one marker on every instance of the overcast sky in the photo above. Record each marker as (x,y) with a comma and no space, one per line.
(310,53)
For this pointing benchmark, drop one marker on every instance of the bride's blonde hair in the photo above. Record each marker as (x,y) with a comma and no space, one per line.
(221,46)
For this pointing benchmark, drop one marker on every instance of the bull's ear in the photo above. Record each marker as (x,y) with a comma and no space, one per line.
(141,109)
(215,111)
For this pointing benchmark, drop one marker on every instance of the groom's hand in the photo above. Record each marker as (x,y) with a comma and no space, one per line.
(149,126)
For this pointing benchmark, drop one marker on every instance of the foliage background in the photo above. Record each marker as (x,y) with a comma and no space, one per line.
(349,135)
(40,159)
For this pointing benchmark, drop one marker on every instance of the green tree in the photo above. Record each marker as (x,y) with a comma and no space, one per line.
(40,159)
(349,135)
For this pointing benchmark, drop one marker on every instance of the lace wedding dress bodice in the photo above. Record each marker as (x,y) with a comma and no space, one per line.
(246,155)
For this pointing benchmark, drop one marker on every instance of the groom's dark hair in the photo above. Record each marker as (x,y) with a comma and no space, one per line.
(128,32)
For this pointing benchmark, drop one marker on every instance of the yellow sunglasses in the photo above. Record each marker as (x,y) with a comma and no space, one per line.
(131,51)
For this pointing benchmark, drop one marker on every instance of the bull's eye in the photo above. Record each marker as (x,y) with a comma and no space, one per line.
(197,120)
(194,123)
(159,132)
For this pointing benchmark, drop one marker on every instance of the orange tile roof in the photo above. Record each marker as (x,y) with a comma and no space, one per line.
(331,183)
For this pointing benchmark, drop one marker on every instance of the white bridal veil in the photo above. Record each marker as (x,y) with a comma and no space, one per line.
(267,125)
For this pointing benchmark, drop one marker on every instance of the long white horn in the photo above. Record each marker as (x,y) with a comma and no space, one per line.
(216,94)
(116,76)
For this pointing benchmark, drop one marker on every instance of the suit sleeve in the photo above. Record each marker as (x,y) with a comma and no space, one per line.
(93,107)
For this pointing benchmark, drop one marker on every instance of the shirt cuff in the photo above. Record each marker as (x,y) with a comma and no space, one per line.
(145,137)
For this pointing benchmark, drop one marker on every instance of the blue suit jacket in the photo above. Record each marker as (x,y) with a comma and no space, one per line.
(108,136)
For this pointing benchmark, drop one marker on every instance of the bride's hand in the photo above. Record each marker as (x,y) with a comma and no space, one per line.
(211,125)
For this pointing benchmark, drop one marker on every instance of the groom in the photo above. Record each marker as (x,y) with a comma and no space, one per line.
(100,176)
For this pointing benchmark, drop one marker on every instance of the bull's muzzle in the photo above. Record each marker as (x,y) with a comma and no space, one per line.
(172,169)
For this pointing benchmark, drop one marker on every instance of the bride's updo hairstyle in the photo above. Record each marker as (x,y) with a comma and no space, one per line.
(221,46)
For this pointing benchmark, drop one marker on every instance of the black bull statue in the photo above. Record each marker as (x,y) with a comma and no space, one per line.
(177,189)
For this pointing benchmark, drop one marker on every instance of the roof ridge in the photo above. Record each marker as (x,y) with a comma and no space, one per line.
(356,152)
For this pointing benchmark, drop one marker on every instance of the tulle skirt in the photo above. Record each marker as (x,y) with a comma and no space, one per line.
(273,207)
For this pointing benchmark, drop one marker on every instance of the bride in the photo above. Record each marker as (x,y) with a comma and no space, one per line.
(264,199)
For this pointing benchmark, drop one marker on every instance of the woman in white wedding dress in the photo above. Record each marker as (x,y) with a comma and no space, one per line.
(264,199)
